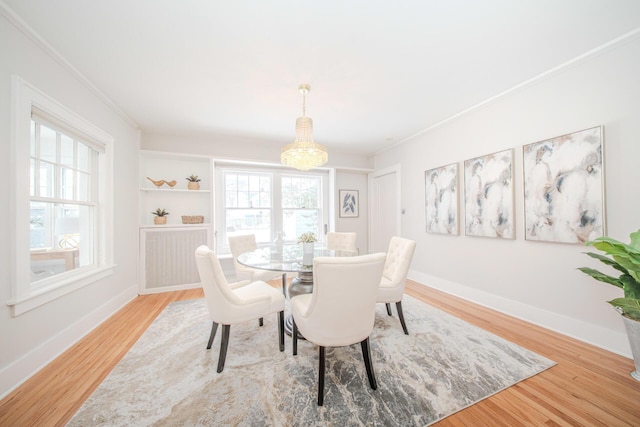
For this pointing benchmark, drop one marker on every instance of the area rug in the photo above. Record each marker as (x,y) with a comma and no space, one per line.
(168,378)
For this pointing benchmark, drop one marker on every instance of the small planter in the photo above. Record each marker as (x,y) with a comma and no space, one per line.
(193,185)
(633,333)
(159,220)
(307,253)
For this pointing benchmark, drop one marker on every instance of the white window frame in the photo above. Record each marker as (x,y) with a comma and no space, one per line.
(24,297)
(276,209)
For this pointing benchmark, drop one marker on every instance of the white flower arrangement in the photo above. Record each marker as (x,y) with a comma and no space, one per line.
(307,238)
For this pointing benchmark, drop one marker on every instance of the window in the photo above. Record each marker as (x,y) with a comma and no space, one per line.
(248,204)
(301,205)
(62,171)
(267,202)
(63,202)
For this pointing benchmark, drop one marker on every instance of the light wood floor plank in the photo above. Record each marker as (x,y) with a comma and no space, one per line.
(588,387)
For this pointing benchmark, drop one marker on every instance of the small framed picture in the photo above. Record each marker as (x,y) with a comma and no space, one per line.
(349,203)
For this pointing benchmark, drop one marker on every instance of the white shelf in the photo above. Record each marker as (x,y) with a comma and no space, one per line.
(177,225)
(175,190)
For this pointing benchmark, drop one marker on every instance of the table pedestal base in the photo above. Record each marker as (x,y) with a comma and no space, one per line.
(303,284)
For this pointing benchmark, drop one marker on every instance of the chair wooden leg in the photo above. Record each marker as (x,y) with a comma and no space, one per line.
(223,347)
(388,309)
(214,328)
(261,321)
(321,376)
(294,336)
(401,316)
(281,329)
(366,355)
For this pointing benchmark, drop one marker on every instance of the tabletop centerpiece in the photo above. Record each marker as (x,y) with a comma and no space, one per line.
(308,241)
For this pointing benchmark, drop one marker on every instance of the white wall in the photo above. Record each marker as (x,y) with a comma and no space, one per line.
(534,280)
(241,148)
(346,180)
(351,169)
(30,340)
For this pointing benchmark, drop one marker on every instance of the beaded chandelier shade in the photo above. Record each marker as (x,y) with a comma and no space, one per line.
(303,153)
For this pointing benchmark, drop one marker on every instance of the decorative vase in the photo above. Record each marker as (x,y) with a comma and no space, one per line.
(193,185)
(277,243)
(307,253)
(633,333)
(160,220)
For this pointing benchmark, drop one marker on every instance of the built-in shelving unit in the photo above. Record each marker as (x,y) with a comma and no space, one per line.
(177,200)
(166,251)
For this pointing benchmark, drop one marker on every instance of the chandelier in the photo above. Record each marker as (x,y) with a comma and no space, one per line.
(303,153)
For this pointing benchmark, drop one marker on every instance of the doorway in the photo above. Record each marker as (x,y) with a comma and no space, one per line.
(384,187)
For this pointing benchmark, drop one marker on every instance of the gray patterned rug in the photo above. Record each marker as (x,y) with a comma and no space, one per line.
(168,378)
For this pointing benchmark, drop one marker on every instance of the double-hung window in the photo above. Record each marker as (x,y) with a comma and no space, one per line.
(248,204)
(62,171)
(63,201)
(302,204)
(266,202)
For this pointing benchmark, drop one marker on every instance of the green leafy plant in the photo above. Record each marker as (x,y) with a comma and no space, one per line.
(160,212)
(307,238)
(193,178)
(625,259)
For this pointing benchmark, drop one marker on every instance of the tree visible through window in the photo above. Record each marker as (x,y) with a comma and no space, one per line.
(301,205)
(266,202)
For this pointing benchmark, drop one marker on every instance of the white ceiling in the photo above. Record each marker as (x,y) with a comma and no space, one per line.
(380,71)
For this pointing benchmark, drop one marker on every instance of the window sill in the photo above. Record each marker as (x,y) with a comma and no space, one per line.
(62,287)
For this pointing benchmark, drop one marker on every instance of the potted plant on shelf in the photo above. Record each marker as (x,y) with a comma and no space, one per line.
(161,216)
(625,258)
(308,241)
(194,182)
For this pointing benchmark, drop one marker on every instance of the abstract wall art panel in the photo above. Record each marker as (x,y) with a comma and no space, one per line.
(488,195)
(441,199)
(564,187)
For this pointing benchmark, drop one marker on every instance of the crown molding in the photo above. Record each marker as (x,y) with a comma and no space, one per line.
(23,27)
(610,45)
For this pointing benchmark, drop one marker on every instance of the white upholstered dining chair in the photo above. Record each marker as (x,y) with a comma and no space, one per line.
(341,309)
(231,303)
(394,275)
(342,242)
(247,243)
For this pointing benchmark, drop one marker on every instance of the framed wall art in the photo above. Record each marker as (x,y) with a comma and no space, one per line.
(564,187)
(488,195)
(349,203)
(441,199)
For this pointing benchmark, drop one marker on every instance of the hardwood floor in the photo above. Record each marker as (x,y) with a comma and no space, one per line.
(588,386)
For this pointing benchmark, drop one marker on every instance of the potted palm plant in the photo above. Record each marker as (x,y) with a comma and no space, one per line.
(161,216)
(194,182)
(625,259)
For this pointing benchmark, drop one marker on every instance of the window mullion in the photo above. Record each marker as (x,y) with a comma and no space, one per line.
(276,203)
(57,170)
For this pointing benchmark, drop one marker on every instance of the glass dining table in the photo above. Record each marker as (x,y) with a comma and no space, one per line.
(288,259)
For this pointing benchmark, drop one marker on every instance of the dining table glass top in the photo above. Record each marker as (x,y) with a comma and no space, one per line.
(287,258)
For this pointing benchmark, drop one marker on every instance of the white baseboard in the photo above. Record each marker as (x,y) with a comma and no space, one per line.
(590,333)
(22,369)
(172,288)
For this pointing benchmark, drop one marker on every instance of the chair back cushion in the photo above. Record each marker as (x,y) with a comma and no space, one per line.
(342,307)
(241,244)
(342,241)
(396,266)
(217,293)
